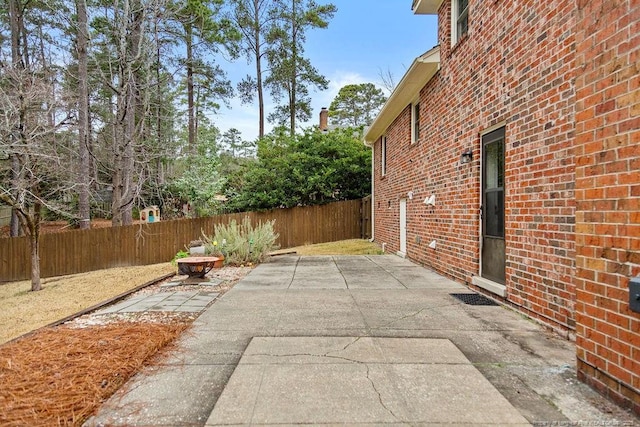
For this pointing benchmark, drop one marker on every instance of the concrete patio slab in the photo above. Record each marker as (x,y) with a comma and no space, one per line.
(204,346)
(384,343)
(351,349)
(264,282)
(168,397)
(358,380)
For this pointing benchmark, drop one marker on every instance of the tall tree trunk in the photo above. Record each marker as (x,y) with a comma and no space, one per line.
(256,20)
(15,17)
(133,114)
(190,94)
(128,169)
(83,117)
(159,134)
(125,129)
(116,177)
(15,23)
(14,226)
(196,111)
(119,139)
(36,283)
(50,80)
(122,179)
(292,82)
(34,239)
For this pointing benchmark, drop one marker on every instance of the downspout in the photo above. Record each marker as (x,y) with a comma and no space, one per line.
(373,180)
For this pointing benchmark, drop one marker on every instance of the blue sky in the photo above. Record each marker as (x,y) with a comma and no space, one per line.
(364,37)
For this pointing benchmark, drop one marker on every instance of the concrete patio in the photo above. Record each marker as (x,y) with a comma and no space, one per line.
(359,340)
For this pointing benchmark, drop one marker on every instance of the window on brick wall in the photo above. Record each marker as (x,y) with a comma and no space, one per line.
(415,122)
(383,156)
(459,19)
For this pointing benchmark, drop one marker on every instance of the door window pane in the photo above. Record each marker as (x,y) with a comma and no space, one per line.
(494,169)
(493,186)
(494,213)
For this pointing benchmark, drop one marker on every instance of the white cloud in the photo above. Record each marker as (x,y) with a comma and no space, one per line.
(336,82)
(342,78)
(243,117)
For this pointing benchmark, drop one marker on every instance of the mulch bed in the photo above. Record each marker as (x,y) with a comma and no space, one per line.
(60,376)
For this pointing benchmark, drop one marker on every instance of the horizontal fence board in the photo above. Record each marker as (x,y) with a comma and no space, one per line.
(78,251)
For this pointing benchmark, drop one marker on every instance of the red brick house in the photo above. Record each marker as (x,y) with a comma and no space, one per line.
(508,158)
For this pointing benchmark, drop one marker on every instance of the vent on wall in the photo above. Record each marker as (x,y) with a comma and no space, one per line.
(474,299)
(431,200)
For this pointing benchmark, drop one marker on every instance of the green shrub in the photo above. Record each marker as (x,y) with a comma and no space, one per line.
(179,255)
(242,243)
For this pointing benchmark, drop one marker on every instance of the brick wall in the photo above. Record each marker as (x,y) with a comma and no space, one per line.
(515,67)
(608,196)
(386,198)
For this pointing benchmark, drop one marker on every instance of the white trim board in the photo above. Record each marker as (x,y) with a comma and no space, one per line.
(489,285)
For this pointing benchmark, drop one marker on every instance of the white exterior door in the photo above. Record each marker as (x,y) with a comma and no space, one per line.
(403,227)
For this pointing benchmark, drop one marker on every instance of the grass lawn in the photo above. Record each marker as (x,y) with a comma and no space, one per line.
(22,311)
(343,247)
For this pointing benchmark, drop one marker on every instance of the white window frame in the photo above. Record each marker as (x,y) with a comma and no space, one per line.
(415,136)
(383,155)
(455,16)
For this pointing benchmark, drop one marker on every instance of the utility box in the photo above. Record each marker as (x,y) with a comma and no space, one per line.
(150,214)
(634,294)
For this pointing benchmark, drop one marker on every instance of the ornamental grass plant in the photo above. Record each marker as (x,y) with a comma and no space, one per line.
(242,243)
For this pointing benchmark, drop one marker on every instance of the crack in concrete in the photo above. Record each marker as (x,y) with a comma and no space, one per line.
(388,272)
(355,302)
(375,389)
(387,325)
(346,283)
(343,348)
(326,354)
(358,362)
(293,276)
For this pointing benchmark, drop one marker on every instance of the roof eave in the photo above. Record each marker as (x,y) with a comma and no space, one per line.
(426,7)
(420,72)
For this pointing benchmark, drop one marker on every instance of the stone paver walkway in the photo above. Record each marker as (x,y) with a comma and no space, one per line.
(193,301)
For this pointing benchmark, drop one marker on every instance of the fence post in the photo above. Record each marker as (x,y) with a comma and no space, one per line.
(365,218)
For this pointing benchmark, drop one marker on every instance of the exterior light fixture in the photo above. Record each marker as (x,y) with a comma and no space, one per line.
(466,156)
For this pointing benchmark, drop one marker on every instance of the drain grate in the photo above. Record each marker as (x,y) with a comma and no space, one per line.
(474,299)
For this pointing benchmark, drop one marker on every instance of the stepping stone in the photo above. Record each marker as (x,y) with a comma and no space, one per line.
(170,284)
(212,282)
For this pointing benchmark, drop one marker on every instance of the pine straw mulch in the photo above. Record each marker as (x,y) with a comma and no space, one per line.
(60,376)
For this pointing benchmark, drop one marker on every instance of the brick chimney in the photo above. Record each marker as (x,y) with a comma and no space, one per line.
(324,120)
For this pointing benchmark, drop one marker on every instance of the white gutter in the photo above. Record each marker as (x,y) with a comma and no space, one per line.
(420,72)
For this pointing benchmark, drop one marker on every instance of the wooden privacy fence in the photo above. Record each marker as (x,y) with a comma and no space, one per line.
(86,250)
